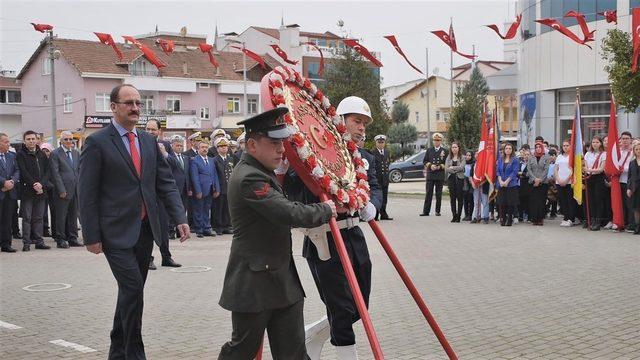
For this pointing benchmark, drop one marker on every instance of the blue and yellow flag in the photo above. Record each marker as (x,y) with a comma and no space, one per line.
(575,160)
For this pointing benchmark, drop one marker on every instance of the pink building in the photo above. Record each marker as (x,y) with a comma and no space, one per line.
(10,106)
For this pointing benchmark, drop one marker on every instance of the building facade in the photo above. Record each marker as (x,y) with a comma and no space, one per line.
(10,107)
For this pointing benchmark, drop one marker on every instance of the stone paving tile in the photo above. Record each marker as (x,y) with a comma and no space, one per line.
(497,293)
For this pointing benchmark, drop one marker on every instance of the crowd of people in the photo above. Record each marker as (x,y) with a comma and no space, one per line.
(534,184)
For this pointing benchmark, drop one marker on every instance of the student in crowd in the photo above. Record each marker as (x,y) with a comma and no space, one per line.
(563,177)
(607,218)
(593,165)
(537,169)
(467,189)
(508,181)
(480,200)
(552,192)
(524,190)
(625,159)
(633,185)
(454,168)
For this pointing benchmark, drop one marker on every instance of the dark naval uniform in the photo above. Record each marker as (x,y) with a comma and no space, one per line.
(382,171)
(435,178)
(328,274)
(224,167)
(261,284)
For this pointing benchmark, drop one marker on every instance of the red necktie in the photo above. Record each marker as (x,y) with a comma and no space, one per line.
(135,156)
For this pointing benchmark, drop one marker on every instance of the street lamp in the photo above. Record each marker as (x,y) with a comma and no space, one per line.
(237,40)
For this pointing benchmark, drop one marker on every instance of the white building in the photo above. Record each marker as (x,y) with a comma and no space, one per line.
(551,67)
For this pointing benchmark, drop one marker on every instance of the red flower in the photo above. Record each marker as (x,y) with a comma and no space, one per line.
(341,128)
(361,176)
(280,73)
(331,111)
(319,95)
(307,84)
(312,162)
(297,76)
(277,84)
(288,119)
(351,146)
(326,183)
(353,202)
(340,194)
(358,162)
(298,140)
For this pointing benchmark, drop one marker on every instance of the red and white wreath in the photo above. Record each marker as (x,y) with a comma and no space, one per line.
(352,195)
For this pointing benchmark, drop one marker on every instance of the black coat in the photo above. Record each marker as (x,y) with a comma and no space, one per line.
(190,153)
(180,174)
(224,169)
(34,167)
(382,166)
(433,157)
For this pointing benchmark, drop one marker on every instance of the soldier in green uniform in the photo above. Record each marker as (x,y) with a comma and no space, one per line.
(261,286)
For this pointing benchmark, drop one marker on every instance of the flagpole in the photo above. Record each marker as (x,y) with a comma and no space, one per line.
(451,73)
(428,104)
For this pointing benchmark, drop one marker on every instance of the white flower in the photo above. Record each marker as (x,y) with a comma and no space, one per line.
(277,91)
(346,137)
(356,155)
(334,187)
(317,172)
(313,90)
(304,152)
(282,105)
(345,197)
(325,102)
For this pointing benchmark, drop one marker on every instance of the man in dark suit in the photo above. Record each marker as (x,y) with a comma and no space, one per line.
(181,173)
(382,171)
(194,140)
(64,174)
(434,166)
(9,179)
(261,285)
(224,166)
(122,177)
(205,185)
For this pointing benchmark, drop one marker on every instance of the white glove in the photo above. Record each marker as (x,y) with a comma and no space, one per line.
(282,168)
(368,212)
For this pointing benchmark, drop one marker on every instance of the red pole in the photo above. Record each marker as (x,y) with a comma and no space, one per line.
(355,288)
(412,289)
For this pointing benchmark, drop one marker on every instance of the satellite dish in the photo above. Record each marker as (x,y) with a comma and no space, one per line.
(183,31)
(340,23)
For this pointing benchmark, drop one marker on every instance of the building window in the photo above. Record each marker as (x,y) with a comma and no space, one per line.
(594,110)
(66,101)
(102,102)
(147,103)
(173,103)
(632,4)
(10,97)
(417,116)
(529,17)
(435,93)
(312,72)
(233,105)
(46,66)
(437,115)
(204,113)
(141,67)
(203,85)
(45,99)
(447,116)
(252,106)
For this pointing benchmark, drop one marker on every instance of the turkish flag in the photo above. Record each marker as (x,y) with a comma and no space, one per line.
(394,42)
(167,45)
(108,40)
(321,67)
(42,27)
(554,24)
(206,48)
(252,55)
(491,150)
(586,34)
(283,55)
(613,167)
(513,29)
(635,27)
(481,158)
(148,53)
(355,45)
(450,40)
(610,15)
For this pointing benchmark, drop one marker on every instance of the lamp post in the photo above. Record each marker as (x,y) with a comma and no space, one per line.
(428,105)
(236,40)
(53,54)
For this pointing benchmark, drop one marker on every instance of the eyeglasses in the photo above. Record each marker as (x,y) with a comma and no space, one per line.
(67,139)
(130,103)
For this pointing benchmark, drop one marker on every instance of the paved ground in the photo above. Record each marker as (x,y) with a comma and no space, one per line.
(411,186)
(498,293)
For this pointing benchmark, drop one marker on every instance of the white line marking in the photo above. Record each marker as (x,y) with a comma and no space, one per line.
(9,326)
(74,346)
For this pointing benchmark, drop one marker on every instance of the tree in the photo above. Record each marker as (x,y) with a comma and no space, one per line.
(402,134)
(350,75)
(399,112)
(617,50)
(464,126)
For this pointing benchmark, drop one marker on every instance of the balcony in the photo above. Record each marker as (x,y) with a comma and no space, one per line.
(154,112)
(148,72)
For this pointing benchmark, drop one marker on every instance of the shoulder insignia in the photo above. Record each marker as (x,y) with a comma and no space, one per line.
(262,192)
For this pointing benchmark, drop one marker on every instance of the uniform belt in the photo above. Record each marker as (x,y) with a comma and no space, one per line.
(318,235)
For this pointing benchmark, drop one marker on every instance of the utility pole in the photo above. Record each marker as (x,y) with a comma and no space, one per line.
(54,121)
(244,80)
(428,104)
(451,75)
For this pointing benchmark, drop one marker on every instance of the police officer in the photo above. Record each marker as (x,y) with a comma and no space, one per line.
(261,286)
(382,170)
(322,256)
(434,166)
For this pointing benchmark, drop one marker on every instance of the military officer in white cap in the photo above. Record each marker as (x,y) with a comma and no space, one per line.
(382,171)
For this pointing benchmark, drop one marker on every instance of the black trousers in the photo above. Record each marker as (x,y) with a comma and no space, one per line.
(15,227)
(537,202)
(333,286)
(429,196)
(629,221)
(130,267)
(222,219)
(596,191)
(6,220)
(163,244)
(284,326)
(66,217)
(468,203)
(456,196)
(567,202)
(385,195)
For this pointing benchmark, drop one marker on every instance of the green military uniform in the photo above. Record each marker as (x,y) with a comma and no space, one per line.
(261,285)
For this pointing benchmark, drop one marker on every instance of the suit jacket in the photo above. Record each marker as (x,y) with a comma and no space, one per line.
(204,178)
(457,170)
(111,193)
(64,173)
(181,175)
(433,157)
(382,166)
(538,169)
(224,168)
(34,167)
(190,153)
(261,273)
(10,171)
(633,183)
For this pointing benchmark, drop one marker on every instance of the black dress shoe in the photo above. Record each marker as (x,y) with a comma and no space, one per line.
(172,235)
(437,214)
(636,231)
(62,245)
(200,235)
(228,232)
(74,244)
(43,246)
(8,249)
(152,266)
(424,214)
(386,217)
(17,236)
(170,263)
(218,232)
(46,233)
(26,247)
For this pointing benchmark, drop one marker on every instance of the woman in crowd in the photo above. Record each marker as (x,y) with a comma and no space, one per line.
(508,181)
(633,186)
(537,169)
(563,176)
(552,192)
(524,191)
(607,215)
(454,168)
(480,200)
(467,189)
(593,168)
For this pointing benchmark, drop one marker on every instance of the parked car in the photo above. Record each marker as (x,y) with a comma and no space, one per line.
(407,169)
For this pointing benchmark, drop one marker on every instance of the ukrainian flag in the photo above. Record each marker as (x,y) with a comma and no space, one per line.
(576,154)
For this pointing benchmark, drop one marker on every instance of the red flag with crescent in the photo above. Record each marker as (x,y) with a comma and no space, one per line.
(321,67)
(394,42)
(636,39)
(148,53)
(167,45)
(252,55)
(586,34)
(108,40)
(355,45)
(614,165)
(206,48)
(554,24)
(283,55)
(42,27)
(610,15)
(513,29)
(450,40)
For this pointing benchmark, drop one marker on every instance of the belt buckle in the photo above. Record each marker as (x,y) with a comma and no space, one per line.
(350,223)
